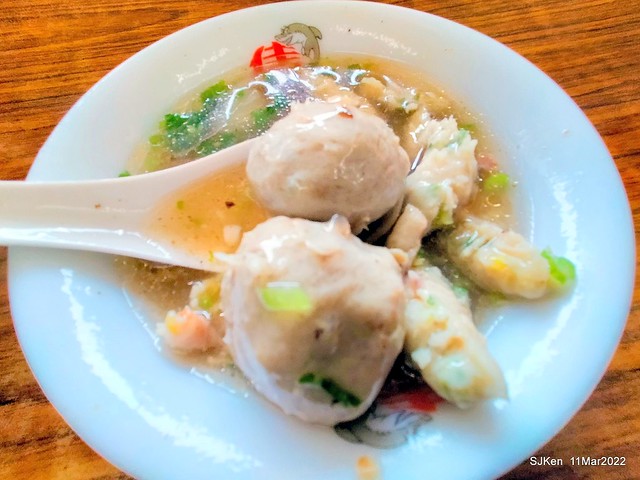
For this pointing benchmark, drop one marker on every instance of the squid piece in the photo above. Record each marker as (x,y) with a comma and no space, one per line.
(496,259)
(444,343)
(447,176)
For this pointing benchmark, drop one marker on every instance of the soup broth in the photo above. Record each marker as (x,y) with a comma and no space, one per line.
(241,105)
(209,215)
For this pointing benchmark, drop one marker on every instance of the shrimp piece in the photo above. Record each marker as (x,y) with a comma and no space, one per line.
(198,326)
(444,343)
(447,175)
(496,259)
(487,162)
(188,331)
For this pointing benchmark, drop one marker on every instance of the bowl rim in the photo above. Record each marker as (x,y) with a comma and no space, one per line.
(628,243)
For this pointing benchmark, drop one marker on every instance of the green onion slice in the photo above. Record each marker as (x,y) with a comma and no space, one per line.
(338,393)
(563,272)
(285,297)
(214,91)
(496,182)
(458,138)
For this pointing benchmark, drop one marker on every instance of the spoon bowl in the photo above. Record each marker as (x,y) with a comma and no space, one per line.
(106,215)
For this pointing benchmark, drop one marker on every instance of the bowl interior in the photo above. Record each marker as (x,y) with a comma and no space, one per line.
(156,419)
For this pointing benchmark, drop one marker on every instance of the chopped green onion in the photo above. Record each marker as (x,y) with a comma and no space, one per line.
(124,173)
(184,130)
(432,301)
(214,91)
(338,394)
(285,297)
(355,66)
(156,140)
(205,301)
(443,218)
(216,143)
(420,259)
(563,272)
(209,296)
(264,117)
(307,378)
(469,241)
(496,182)
(460,292)
(469,127)
(174,120)
(180,204)
(457,140)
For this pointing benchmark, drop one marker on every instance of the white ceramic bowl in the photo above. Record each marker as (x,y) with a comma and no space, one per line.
(85,341)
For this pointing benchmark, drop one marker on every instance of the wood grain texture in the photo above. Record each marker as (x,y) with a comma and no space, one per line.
(52,51)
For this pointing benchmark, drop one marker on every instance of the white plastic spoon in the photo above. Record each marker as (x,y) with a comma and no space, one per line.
(107,215)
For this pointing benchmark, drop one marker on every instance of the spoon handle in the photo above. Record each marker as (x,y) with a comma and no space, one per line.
(108,215)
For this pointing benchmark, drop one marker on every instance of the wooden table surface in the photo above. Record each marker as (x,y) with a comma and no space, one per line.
(52,51)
